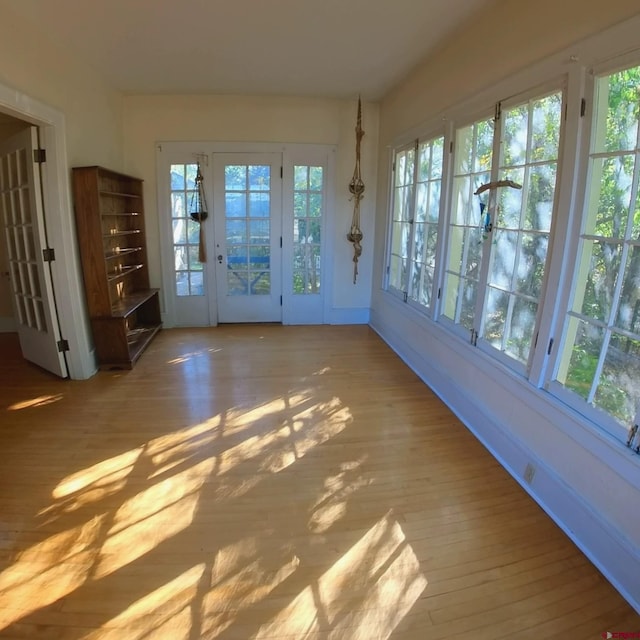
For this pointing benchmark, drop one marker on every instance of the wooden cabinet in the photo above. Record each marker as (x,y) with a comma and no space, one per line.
(124,311)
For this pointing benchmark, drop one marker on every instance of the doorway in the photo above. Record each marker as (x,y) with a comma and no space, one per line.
(270,210)
(28,254)
(19,111)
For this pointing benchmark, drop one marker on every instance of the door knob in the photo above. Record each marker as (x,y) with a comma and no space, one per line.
(220,258)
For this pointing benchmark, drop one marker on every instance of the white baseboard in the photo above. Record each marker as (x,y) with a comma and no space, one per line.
(8,325)
(606,547)
(348,316)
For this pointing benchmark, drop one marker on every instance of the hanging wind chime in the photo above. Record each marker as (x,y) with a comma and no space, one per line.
(198,212)
(356,188)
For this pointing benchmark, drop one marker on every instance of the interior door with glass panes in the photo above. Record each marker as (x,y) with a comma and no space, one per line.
(24,230)
(247,253)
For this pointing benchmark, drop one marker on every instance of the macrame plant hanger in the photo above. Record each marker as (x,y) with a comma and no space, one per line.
(356,188)
(199,213)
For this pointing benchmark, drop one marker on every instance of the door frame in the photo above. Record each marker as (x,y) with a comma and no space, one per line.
(37,320)
(169,150)
(250,307)
(66,273)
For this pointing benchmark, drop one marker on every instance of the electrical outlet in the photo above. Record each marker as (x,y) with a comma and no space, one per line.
(529,473)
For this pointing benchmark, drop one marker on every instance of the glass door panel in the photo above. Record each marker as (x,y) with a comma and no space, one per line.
(247,212)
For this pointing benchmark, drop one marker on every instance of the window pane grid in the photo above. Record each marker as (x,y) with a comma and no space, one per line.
(472,168)
(404,176)
(189,277)
(530,139)
(248,229)
(425,225)
(308,197)
(414,219)
(600,355)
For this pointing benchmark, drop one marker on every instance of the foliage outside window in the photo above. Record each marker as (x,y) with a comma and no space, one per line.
(189,276)
(416,213)
(498,242)
(308,206)
(247,193)
(529,151)
(472,168)
(600,356)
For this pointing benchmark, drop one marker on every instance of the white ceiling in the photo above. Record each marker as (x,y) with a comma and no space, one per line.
(329,48)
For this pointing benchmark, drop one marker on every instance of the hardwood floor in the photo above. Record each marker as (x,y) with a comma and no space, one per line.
(267,482)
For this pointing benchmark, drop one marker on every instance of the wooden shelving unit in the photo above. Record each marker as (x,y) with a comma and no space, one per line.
(124,311)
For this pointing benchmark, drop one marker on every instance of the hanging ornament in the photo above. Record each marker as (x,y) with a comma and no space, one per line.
(198,212)
(356,188)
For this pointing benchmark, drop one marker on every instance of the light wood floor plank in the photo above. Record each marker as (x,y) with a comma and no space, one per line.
(267,482)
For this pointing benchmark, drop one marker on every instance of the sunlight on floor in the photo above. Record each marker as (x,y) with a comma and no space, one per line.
(163,613)
(151,517)
(99,475)
(332,504)
(302,432)
(145,497)
(48,571)
(372,586)
(194,354)
(33,403)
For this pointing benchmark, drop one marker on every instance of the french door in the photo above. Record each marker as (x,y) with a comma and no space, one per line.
(24,231)
(247,203)
(269,212)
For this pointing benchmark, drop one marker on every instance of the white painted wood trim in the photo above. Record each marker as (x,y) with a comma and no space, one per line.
(66,271)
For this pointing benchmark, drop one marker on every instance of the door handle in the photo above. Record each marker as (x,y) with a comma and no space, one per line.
(220,258)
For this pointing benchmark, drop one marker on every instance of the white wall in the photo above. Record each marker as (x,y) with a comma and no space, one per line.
(149,119)
(81,123)
(32,64)
(587,481)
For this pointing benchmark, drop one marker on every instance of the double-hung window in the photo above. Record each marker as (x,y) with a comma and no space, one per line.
(417,185)
(598,365)
(498,237)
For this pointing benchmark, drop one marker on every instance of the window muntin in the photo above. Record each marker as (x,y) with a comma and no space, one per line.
(403,202)
(499,239)
(599,359)
(426,219)
(472,168)
(417,191)
(529,150)
(188,271)
(308,208)
(247,193)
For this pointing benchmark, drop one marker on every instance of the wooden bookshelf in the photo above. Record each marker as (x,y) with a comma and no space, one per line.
(124,310)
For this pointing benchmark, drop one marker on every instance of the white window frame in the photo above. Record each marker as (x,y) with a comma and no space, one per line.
(430,310)
(463,119)
(600,53)
(582,184)
(537,348)
(308,308)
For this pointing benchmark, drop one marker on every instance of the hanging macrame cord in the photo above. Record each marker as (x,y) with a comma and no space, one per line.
(199,213)
(356,188)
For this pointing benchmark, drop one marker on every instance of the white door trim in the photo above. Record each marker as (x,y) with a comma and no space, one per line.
(33,299)
(192,150)
(65,270)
